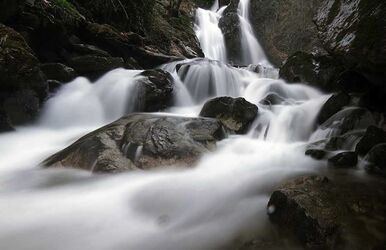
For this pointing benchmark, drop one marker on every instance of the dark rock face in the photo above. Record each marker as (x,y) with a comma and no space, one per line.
(58,72)
(317,154)
(236,114)
(230,27)
(141,141)
(372,137)
(95,66)
(343,160)
(9,7)
(377,160)
(272,99)
(333,105)
(5,123)
(331,214)
(321,71)
(155,91)
(347,120)
(355,31)
(284,27)
(22,83)
(133,15)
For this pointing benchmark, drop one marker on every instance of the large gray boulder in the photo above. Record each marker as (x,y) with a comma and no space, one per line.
(322,213)
(141,141)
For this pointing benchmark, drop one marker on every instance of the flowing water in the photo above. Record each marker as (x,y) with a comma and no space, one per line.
(219,202)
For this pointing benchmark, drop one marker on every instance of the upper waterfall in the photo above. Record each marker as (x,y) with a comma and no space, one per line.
(252,52)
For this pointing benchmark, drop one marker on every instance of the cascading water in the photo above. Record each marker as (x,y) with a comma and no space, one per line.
(224,198)
(209,34)
(252,52)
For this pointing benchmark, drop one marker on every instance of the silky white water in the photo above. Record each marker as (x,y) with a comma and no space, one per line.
(215,205)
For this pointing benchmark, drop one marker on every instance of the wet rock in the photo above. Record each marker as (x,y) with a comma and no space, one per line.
(155,91)
(342,213)
(230,27)
(95,66)
(5,123)
(87,49)
(343,160)
(347,120)
(285,27)
(317,154)
(321,71)
(272,99)
(236,114)
(354,31)
(376,160)
(141,141)
(58,72)
(372,137)
(333,105)
(22,84)
(54,85)
(22,106)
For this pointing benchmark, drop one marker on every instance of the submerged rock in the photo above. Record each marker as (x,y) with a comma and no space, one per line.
(155,91)
(347,120)
(345,213)
(371,138)
(272,99)
(333,105)
(236,114)
(317,154)
(376,160)
(343,160)
(141,141)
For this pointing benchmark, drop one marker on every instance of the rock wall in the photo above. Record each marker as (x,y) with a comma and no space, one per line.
(53,41)
(285,26)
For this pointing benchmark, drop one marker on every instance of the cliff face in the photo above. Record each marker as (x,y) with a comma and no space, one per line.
(284,27)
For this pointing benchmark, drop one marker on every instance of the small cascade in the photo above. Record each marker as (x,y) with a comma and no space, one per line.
(82,103)
(209,34)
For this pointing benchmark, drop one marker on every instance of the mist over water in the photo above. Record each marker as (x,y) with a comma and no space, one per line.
(220,202)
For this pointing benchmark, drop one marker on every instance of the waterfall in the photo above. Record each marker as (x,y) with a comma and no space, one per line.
(209,34)
(222,199)
(252,52)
